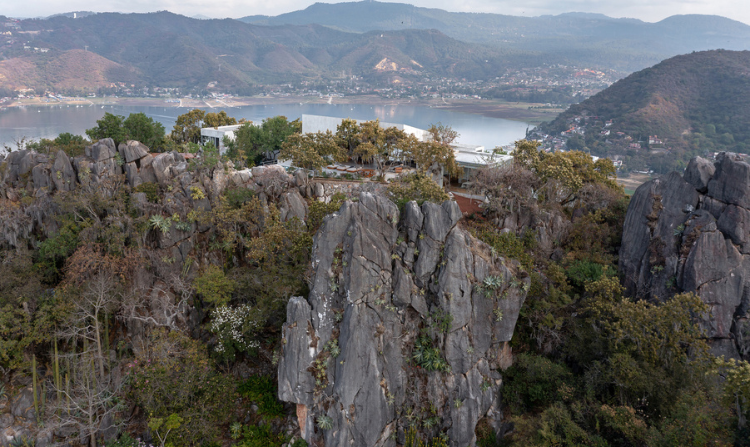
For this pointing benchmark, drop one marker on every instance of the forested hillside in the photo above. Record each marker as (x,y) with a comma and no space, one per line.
(695,104)
(179,298)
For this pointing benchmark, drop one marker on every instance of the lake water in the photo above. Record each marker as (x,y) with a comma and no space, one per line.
(50,121)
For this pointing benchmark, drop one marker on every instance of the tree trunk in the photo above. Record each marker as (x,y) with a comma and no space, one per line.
(99,346)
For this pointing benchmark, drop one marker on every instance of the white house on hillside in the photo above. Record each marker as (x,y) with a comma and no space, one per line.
(216,135)
(469,157)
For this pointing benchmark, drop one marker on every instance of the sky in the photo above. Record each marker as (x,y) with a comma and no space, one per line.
(647,10)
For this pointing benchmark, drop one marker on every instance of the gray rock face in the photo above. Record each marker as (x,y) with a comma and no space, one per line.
(63,174)
(101,150)
(132,150)
(698,172)
(22,405)
(692,234)
(291,205)
(348,348)
(648,254)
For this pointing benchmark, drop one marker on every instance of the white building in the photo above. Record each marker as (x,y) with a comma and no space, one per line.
(216,135)
(472,158)
(469,157)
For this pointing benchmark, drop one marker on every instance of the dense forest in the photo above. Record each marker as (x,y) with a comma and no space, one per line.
(143,294)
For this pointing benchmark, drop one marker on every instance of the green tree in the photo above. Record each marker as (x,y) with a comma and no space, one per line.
(214,286)
(218,119)
(312,151)
(141,128)
(110,126)
(187,128)
(378,145)
(253,143)
(347,134)
(562,175)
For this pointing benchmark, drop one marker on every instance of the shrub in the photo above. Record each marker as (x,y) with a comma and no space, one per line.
(419,187)
(196,193)
(55,250)
(262,390)
(582,272)
(533,382)
(317,211)
(261,435)
(236,197)
(214,286)
(150,189)
(174,375)
(236,329)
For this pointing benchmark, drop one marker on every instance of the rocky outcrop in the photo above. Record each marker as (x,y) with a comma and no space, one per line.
(691,233)
(408,319)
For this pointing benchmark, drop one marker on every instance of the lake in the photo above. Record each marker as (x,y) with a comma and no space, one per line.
(49,121)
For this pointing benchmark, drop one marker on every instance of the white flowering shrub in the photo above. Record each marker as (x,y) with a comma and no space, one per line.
(236,329)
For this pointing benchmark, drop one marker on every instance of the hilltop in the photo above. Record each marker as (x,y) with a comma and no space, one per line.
(688,105)
(622,44)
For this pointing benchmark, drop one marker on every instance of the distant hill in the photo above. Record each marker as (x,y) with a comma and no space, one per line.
(77,14)
(694,103)
(172,50)
(72,69)
(595,39)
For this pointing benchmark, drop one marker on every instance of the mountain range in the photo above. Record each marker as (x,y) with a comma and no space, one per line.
(172,50)
(325,40)
(622,44)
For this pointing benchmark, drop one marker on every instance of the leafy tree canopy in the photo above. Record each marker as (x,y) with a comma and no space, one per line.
(137,126)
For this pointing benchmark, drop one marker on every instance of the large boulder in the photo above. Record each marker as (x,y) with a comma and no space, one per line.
(101,150)
(132,150)
(348,348)
(698,172)
(161,165)
(292,205)
(63,174)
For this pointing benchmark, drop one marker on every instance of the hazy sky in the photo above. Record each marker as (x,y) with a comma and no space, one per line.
(648,10)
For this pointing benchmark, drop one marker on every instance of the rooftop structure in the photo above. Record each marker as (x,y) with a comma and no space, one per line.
(469,157)
(216,135)
(319,123)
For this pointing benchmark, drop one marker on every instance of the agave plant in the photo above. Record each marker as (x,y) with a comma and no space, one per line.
(160,222)
(493,282)
(236,430)
(325,422)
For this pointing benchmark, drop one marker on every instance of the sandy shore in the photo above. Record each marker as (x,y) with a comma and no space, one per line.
(491,108)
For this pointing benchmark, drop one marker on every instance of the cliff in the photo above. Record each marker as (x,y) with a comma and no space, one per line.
(691,233)
(404,331)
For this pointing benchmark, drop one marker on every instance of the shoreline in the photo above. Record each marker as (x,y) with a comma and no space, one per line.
(484,107)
